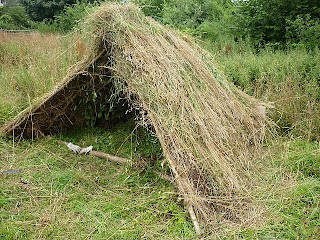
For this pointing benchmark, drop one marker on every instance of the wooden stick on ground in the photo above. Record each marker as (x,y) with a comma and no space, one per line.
(103,155)
(109,157)
(194,219)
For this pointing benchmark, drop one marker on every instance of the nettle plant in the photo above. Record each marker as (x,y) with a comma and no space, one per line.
(109,106)
(101,106)
(147,144)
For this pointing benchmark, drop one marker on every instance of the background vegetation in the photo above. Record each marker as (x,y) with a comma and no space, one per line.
(270,49)
(278,23)
(255,36)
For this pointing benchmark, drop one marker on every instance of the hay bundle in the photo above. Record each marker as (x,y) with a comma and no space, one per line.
(207,128)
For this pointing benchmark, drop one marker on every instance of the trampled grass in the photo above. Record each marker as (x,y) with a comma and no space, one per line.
(72,197)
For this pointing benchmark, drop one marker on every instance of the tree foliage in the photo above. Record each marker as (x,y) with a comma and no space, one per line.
(71,15)
(11,3)
(40,10)
(273,21)
(205,18)
(14,18)
(152,8)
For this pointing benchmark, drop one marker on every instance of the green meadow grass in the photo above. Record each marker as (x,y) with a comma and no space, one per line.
(83,197)
(291,193)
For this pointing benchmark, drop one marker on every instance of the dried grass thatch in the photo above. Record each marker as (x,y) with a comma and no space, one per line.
(207,128)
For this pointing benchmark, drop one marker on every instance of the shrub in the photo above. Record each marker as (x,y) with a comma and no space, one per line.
(185,14)
(15,18)
(269,21)
(72,15)
(45,27)
(152,8)
(1,10)
(19,15)
(207,19)
(40,10)
(6,22)
(304,30)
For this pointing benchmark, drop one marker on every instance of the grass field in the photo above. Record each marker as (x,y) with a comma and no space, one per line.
(72,197)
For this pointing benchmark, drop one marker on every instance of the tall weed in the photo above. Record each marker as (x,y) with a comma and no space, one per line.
(290,79)
(31,65)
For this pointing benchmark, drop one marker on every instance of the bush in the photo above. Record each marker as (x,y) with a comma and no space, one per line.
(6,19)
(6,22)
(152,8)
(15,18)
(304,30)
(276,21)
(72,15)
(40,10)
(45,27)
(185,14)
(19,15)
(1,11)
(208,19)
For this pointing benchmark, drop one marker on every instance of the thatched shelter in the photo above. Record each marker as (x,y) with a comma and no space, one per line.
(207,128)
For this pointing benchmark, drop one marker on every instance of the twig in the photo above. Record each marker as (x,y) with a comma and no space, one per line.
(110,157)
(193,218)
